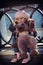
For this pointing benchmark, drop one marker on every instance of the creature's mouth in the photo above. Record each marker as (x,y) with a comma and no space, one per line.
(21,29)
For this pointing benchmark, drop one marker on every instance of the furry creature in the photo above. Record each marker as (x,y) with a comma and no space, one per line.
(25,41)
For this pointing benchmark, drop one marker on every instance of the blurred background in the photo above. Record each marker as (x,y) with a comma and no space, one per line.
(7,13)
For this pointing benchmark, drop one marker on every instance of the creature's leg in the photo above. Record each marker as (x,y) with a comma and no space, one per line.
(18,55)
(33,46)
(22,48)
(26,59)
(23,51)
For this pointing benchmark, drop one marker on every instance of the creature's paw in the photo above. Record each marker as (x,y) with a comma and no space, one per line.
(26,60)
(14,60)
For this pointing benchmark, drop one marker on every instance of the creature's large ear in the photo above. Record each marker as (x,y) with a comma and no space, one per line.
(30,20)
(30,23)
(27,22)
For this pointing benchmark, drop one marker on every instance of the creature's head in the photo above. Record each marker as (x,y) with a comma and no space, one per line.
(21,27)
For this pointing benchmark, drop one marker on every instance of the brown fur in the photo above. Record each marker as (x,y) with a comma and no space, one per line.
(25,41)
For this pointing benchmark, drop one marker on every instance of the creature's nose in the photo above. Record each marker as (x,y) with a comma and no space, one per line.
(16,22)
